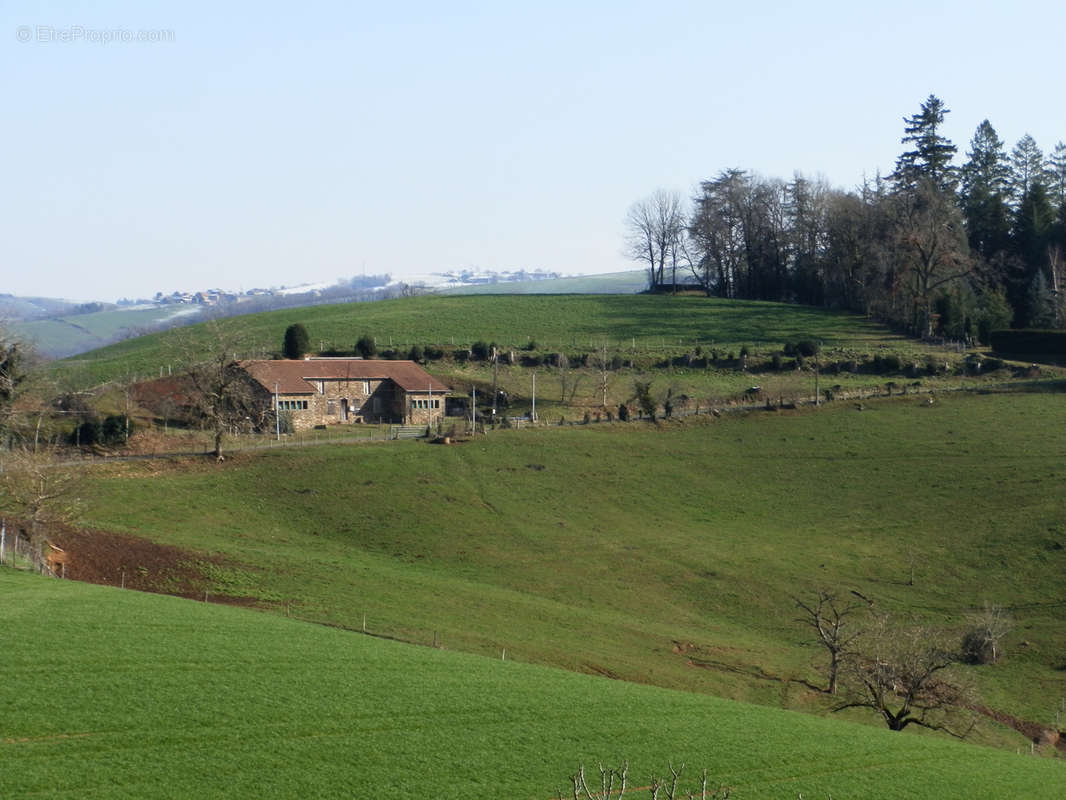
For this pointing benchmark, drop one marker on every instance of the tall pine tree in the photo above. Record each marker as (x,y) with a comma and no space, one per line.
(1027,167)
(932,153)
(1032,236)
(1057,176)
(984,186)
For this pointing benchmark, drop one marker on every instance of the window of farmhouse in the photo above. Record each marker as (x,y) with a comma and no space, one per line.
(331,407)
(293,405)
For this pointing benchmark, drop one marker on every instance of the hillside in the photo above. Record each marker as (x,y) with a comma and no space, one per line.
(639,323)
(646,552)
(153,697)
(61,336)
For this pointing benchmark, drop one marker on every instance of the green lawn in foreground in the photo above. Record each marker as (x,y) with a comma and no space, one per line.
(605,549)
(112,694)
(640,322)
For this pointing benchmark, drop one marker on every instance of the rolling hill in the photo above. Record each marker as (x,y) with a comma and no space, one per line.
(655,554)
(155,697)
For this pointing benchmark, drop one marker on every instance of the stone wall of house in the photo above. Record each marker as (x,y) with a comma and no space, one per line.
(370,401)
(423,409)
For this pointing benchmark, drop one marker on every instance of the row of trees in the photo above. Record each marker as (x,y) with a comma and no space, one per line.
(935,247)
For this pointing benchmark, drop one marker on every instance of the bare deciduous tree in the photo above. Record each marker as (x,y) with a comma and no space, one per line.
(602,363)
(37,488)
(835,624)
(655,231)
(612,783)
(904,675)
(671,789)
(221,389)
(980,644)
(930,238)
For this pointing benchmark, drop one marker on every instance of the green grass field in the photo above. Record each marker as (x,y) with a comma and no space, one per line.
(630,324)
(113,694)
(603,549)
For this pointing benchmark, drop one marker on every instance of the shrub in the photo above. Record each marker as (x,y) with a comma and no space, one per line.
(114,428)
(296,343)
(530,345)
(433,353)
(645,401)
(775,362)
(803,347)
(616,363)
(285,422)
(885,364)
(992,364)
(390,354)
(480,351)
(88,433)
(415,353)
(366,347)
(623,413)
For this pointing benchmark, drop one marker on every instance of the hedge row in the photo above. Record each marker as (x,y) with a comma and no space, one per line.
(1029,342)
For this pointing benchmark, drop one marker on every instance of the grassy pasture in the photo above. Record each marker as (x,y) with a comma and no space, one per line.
(112,694)
(637,552)
(637,323)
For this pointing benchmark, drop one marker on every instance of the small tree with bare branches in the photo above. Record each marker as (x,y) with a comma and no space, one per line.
(904,674)
(39,489)
(614,783)
(980,644)
(836,625)
(221,389)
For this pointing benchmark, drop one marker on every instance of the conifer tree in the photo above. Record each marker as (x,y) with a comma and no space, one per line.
(1027,167)
(985,181)
(932,153)
(296,344)
(1057,176)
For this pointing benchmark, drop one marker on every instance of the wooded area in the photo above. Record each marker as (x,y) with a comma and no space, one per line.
(936,248)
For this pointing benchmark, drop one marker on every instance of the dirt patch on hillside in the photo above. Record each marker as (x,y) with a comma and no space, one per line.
(1038,734)
(117,559)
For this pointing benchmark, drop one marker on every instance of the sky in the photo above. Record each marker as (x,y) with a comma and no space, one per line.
(184,146)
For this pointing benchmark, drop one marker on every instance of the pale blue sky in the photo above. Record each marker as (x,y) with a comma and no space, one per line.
(281,143)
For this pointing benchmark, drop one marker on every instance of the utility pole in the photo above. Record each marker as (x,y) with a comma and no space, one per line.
(277,413)
(533,412)
(473,409)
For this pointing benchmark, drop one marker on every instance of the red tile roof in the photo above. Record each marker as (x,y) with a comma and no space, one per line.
(292,377)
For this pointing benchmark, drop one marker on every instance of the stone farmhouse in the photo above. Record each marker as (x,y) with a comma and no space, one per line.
(340,391)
